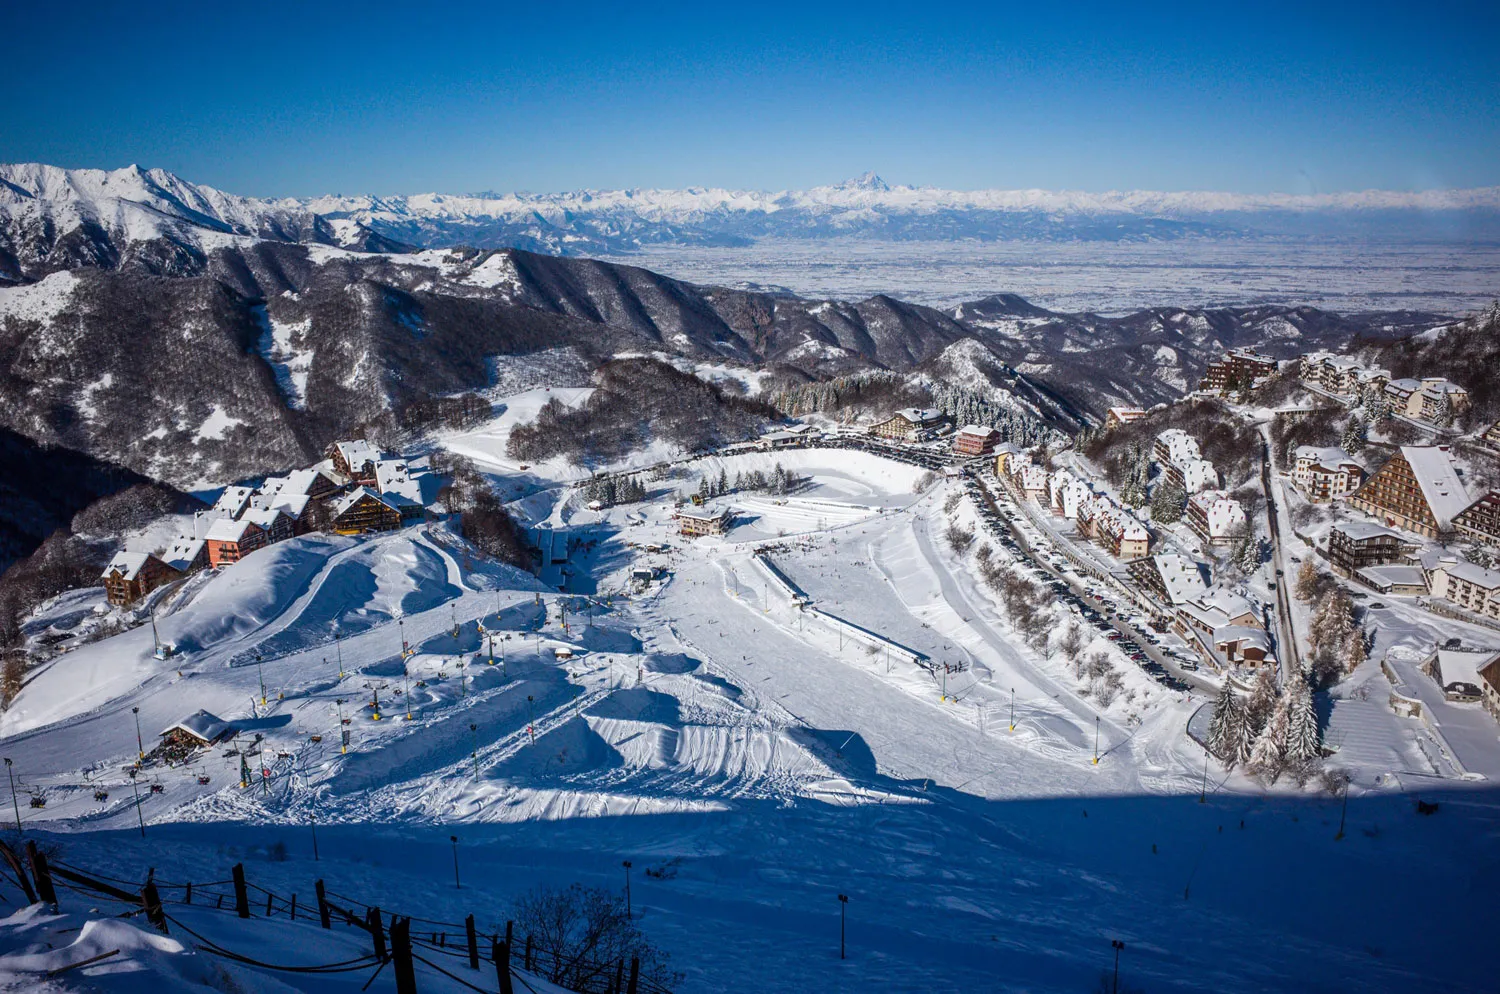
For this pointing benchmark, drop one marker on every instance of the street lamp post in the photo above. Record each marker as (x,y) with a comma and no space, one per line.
(261,674)
(1203,791)
(474,730)
(1096,740)
(1118,945)
(312,821)
(843,907)
(1012,709)
(13,802)
(454,839)
(338,646)
(343,735)
(1344,810)
(134,789)
(530,720)
(628,912)
(139,745)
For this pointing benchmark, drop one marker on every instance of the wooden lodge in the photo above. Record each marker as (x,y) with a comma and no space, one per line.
(229,540)
(132,575)
(363,510)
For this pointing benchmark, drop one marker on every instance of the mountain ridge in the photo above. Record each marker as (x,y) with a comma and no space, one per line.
(54,218)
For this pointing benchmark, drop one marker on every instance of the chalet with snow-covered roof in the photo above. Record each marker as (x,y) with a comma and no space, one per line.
(910,424)
(277,524)
(297,508)
(975,440)
(1243,645)
(132,575)
(355,460)
(1467,675)
(197,730)
(1216,518)
(1325,473)
(1480,521)
(363,510)
(229,540)
(315,483)
(393,477)
(1032,479)
(186,554)
(233,501)
(1417,489)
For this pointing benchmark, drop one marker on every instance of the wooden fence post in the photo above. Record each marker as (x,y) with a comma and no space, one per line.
(510,937)
(294,907)
(151,901)
(619,986)
(269,898)
(322,905)
(401,961)
(14,861)
(473,943)
(500,952)
(44,888)
(635,975)
(377,932)
(241,895)
(528,954)
(189,898)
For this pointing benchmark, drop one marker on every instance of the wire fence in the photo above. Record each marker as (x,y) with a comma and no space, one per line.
(399,941)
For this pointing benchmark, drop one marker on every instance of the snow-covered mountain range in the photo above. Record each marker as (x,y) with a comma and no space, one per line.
(53,218)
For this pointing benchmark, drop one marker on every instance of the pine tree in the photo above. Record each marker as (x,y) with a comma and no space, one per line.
(1354,436)
(1224,728)
(1307,581)
(1248,556)
(1302,741)
(1332,622)
(1269,754)
(723,486)
(1166,503)
(1354,650)
(1262,702)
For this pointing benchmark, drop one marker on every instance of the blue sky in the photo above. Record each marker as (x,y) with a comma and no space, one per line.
(281,99)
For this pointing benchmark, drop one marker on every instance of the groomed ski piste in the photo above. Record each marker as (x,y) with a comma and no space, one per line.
(824,701)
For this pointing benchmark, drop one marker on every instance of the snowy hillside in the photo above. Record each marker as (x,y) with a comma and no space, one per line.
(824,700)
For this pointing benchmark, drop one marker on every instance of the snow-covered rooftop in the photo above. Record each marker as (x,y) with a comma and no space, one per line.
(1462,666)
(128,564)
(202,725)
(1329,456)
(1182,576)
(1359,531)
(228,529)
(1436,475)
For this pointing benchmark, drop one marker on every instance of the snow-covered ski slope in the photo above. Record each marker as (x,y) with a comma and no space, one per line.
(756,762)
